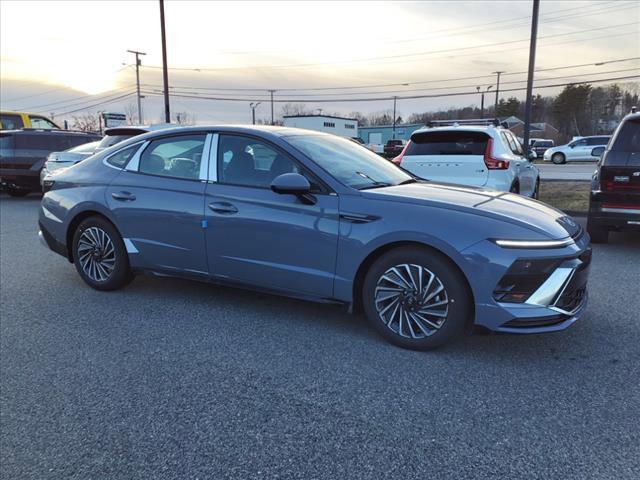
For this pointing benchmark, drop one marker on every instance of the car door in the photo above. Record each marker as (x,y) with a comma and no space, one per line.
(268,240)
(158,202)
(525,170)
(579,150)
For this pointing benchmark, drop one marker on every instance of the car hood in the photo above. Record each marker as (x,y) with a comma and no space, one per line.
(509,207)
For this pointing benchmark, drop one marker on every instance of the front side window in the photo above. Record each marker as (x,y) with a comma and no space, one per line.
(348,162)
(249,162)
(41,122)
(177,157)
(11,122)
(121,158)
(579,143)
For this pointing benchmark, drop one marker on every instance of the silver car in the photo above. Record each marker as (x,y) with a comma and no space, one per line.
(57,160)
(578,150)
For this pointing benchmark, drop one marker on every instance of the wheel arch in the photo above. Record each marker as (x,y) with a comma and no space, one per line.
(76,221)
(370,259)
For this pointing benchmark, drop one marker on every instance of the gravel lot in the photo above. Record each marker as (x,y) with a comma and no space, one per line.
(175,379)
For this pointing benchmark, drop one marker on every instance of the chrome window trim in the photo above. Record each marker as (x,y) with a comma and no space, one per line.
(107,164)
(134,163)
(212,174)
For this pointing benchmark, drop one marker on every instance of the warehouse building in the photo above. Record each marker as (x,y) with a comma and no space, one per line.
(344,127)
(380,134)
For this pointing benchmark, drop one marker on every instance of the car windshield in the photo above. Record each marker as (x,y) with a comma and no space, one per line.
(349,163)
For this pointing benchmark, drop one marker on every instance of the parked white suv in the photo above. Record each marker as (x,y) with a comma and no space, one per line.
(578,150)
(477,155)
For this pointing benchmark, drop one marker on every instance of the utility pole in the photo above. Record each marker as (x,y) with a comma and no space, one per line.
(165,73)
(482,99)
(253,107)
(271,92)
(495,107)
(138,63)
(395,99)
(532,66)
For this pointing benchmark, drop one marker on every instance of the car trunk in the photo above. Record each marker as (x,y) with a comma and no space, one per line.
(448,156)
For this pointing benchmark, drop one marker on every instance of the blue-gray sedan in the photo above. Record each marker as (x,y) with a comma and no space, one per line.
(315,216)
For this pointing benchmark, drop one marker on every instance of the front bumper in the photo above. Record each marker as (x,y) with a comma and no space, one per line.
(552,305)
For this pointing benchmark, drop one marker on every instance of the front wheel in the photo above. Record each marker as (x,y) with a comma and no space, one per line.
(100,256)
(558,158)
(416,298)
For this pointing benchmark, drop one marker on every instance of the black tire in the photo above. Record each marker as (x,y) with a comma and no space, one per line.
(455,292)
(536,192)
(558,158)
(18,192)
(515,188)
(598,233)
(120,274)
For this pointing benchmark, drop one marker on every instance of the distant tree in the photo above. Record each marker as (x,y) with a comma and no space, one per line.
(86,122)
(131,111)
(508,108)
(363,121)
(184,118)
(570,110)
(294,109)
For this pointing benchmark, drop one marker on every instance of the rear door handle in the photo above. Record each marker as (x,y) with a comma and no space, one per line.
(223,208)
(123,196)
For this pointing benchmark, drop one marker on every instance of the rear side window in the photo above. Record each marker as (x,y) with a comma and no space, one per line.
(177,157)
(121,158)
(628,138)
(11,121)
(6,142)
(597,141)
(447,143)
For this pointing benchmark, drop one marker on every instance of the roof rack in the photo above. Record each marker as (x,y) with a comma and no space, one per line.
(473,121)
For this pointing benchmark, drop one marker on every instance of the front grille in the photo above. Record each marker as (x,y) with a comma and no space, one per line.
(571,299)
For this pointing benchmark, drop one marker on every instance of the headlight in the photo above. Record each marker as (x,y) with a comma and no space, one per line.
(533,243)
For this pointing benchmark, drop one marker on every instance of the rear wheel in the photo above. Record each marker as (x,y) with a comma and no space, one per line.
(598,233)
(100,256)
(416,298)
(515,188)
(558,158)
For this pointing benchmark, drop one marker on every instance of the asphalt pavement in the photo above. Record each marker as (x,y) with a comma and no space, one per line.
(172,379)
(568,171)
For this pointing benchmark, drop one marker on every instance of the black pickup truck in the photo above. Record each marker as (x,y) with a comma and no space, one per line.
(23,153)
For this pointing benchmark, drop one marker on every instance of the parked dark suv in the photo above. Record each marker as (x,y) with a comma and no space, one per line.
(23,153)
(615,189)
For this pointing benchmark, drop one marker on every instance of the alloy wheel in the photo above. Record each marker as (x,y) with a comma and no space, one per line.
(96,254)
(411,301)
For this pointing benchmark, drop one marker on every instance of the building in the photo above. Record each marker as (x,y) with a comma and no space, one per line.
(380,134)
(344,127)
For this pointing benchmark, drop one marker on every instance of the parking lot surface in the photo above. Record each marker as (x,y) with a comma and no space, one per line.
(176,379)
(568,171)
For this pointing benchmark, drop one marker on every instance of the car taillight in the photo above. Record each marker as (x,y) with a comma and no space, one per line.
(491,162)
(398,160)
(610,186)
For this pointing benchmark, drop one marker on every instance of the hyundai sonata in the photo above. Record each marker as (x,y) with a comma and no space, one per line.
(319,217)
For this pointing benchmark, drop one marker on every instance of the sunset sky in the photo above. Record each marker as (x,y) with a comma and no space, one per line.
(57,57)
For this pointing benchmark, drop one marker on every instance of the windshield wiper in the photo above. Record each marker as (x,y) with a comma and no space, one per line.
(407,181)
(375,185)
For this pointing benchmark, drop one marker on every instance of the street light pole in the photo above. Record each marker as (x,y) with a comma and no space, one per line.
(271,92)
(253,107)
(532,65)
(165,73)
(394,116)
(495,107)
(138,63)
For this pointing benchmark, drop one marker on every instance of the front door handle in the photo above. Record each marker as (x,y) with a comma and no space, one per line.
(223,208)
(123,196)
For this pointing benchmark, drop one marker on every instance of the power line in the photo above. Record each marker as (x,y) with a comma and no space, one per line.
(397,84)
(97,104)
(72,102)
(407,97)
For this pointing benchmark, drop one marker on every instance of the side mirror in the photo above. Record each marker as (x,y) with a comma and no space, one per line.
(291,183)
(532,155)
(597,152)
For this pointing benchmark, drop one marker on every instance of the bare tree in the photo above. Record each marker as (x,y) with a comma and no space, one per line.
(294,109)
(131,111)
(87,122)
(184,118)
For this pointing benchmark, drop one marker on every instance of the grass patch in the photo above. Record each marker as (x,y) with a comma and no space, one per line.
(572,196)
